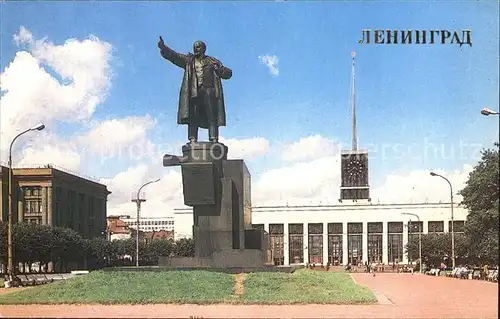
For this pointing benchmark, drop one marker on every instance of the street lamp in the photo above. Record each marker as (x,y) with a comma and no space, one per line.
(10,263)
(138,202)
(486,111)
(419,239)
(452,222)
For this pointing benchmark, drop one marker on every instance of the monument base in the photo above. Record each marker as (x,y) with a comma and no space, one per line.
(228,258)
(227,270)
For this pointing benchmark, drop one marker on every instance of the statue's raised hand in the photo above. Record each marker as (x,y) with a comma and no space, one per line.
(161,44)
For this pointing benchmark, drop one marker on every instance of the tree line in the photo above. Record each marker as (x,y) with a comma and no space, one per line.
(35,246)
(478,245)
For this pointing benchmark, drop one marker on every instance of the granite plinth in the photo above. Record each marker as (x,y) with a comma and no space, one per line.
(230,270)
(204,152)
(218,189)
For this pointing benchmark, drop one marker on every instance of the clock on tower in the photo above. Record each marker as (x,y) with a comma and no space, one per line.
(354,172)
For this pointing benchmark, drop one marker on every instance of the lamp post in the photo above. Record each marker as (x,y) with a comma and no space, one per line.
(452,222)
(419,238)
(486,111)
(10,262)
(138,202)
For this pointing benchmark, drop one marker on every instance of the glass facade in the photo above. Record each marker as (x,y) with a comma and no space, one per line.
(375,231)
(315,243)
(395,242)
(355,243)
(296,243)
(335,254)
(435,227)
(382,240)
(32,204)
(276,243)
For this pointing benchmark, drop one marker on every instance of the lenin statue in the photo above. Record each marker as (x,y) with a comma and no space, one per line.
(201,100)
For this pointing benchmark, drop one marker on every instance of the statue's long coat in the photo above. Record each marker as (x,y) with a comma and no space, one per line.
(187,113)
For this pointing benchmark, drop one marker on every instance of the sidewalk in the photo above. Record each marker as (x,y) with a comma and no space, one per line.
(405,295)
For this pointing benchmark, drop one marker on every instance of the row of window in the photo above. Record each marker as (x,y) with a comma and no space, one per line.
(32,191)
(151,222)
(335,253)
(372,227)
(335,241)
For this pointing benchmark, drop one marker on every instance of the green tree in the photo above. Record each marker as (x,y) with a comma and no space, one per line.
(158,248)
(99,252)
(67,246)
(481,198)
(436,248)
(184,247)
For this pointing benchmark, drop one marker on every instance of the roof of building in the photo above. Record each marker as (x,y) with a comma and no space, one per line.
(51,170)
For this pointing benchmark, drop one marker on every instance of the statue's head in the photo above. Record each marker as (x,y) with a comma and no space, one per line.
(199,48)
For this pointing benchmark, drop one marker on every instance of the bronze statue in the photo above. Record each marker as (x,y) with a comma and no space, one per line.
(201,99)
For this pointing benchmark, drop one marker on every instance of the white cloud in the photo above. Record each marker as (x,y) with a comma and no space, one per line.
(246,148)
(313,146)
(161,197)
(120,138)
(419,186)
(50,149)
(302,183)
(271,61)
(32,92)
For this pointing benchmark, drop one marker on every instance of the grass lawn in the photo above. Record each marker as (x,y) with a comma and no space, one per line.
(196,287)
(304,286)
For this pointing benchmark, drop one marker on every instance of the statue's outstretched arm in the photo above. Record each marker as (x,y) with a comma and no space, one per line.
(176,58)
(222,71)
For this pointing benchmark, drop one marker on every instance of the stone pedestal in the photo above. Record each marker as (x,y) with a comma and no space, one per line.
(218,189)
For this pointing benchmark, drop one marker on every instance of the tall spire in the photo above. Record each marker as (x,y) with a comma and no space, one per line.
(353,90)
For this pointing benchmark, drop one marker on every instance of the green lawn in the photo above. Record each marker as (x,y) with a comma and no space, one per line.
(196,287)
(304,286)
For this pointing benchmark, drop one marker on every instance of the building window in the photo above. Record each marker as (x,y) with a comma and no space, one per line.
(296,243)
(315,243)
(276,243)
(436,226)
(355,242)
(458,226)
(395,242)
(375,231)
(335,243)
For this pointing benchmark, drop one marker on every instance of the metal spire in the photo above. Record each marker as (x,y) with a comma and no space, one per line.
(354,130)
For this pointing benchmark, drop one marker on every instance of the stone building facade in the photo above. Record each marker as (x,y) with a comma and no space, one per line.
(52,196)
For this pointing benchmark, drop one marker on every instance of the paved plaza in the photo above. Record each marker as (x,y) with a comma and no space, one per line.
(400,296)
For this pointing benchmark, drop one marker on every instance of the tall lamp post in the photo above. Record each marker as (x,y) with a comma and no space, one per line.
(138,201)
(419,238)
(486,111)
(452,222)
(10,262)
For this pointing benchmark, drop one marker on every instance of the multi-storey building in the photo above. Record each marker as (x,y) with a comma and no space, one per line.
(148,224)
(345,233)
(52,196)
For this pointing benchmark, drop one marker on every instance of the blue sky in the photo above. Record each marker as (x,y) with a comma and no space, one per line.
(405,93)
